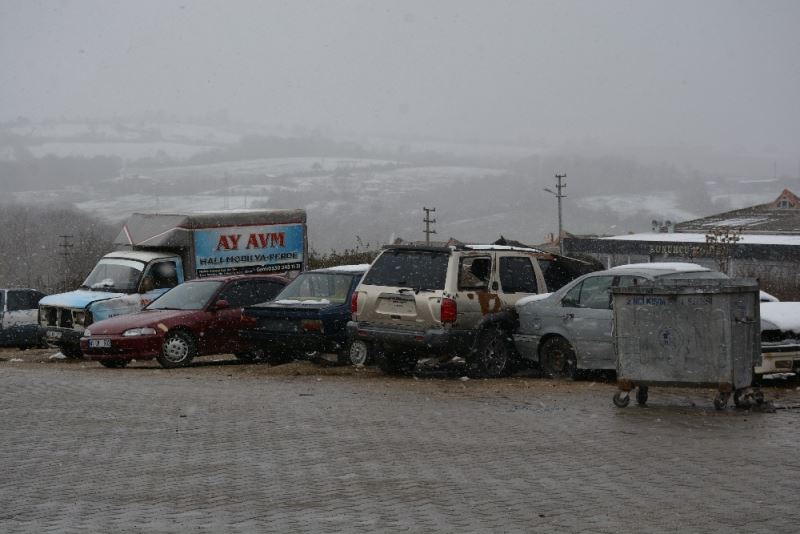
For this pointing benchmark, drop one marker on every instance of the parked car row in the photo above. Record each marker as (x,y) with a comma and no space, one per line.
(486,305)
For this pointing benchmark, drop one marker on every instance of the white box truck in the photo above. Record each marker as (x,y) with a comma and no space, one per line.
(157,251)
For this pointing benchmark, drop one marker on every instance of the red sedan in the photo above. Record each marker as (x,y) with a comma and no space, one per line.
(192,319)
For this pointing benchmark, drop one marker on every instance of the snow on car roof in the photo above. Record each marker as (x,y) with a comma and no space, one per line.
(784,315)
(360,268)
(676,266)
(502,247)
(763,296)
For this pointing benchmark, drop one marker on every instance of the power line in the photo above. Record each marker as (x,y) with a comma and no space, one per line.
(559,195)
(428,221)
(65,252)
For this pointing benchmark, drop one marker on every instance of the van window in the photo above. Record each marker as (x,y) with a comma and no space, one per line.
(474,272)
(517,275)
(23,300)
(419,269)
(165,275)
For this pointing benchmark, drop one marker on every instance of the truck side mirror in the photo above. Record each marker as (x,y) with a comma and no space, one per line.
(148,284)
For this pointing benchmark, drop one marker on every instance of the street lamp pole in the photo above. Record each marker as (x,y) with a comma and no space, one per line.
(559,195)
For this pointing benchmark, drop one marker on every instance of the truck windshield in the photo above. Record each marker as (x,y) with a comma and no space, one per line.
(115,274)
(187,296)
(318,286)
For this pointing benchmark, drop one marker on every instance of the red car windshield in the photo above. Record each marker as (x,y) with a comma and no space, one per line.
(187,296)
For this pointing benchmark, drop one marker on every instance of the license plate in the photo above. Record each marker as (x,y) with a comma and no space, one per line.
(396,306)
(54,334)
(100,343)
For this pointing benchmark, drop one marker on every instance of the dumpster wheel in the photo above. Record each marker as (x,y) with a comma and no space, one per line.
(748,398)
(622,399)
(721,400)
(641,395)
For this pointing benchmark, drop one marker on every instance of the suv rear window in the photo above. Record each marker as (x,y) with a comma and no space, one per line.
(409,268)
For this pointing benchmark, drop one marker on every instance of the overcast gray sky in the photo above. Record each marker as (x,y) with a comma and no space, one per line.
(713,73)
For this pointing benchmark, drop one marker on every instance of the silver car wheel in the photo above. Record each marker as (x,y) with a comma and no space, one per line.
(176,349)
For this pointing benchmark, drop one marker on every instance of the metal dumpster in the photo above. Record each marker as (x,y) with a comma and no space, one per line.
(687,332)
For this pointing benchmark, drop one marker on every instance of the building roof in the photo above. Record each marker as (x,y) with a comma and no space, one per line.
(745,239)
(781,216)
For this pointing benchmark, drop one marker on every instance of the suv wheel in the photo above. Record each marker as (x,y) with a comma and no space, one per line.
(357,352)
(395,363)
(494,354)
(557,359)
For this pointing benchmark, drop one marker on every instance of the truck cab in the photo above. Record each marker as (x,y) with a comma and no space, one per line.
(122,282)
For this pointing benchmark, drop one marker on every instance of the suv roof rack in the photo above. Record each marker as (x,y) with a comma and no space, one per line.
(428,248)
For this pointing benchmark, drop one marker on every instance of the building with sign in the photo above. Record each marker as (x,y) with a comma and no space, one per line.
(761,242)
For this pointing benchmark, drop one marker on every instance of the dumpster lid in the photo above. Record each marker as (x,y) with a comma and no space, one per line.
(687,286)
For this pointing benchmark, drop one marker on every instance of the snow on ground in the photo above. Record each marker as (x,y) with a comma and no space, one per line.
(121,207)
(736,201)
(267,167)
(127,151)
(445,173)
(664,202)
(128,131)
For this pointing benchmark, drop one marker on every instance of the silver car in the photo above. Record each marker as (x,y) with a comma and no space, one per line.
(572,329)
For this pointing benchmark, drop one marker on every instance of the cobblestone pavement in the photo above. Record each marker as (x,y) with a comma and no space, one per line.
(250,448)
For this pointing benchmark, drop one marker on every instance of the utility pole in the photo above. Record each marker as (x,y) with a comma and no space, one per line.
(65,246)
(428,221)
(559,195)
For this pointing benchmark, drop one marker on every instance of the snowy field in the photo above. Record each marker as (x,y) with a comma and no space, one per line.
(129,152)
(664,203)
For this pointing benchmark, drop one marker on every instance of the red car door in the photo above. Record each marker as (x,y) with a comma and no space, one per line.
(222,336)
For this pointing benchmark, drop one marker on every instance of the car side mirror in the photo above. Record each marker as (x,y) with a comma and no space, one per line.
(221,305)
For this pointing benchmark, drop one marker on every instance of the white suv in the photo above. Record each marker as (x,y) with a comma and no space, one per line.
(447,301)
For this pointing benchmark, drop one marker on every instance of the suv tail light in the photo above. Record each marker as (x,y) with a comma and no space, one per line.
(354,302)
(449,310)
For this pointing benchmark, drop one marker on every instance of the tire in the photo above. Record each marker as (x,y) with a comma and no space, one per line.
(721,400)
(71,352)
(396,363)
(620,401)
(558,359)
(115,363)
(494,354)
(278,357)
(357,352)
(249,357)
(178,350)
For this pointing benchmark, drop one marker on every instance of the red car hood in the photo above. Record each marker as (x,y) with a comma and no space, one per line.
(117,325)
